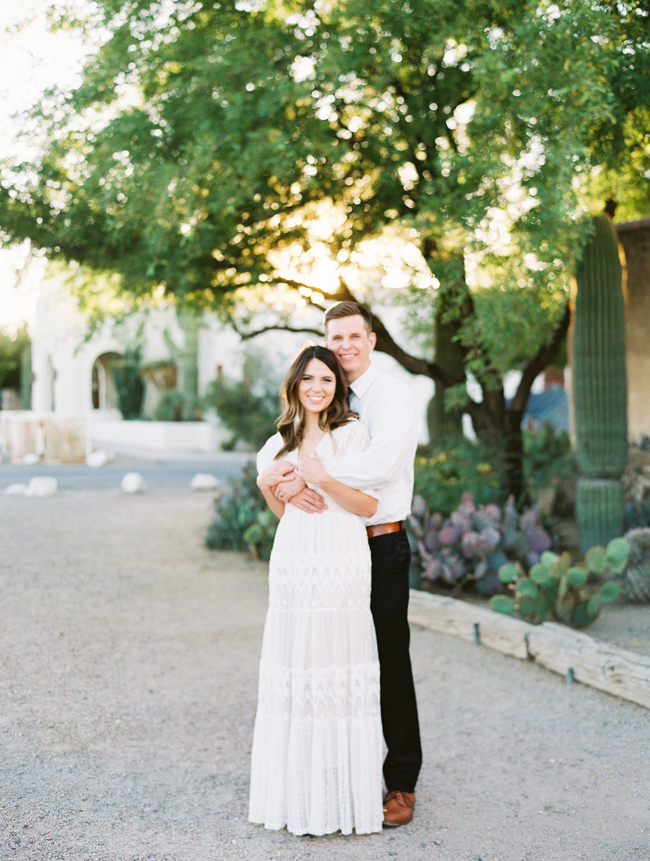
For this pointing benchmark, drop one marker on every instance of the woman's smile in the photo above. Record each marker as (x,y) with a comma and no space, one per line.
(317,387)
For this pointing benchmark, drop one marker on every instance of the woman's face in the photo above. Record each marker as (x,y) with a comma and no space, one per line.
(317,387)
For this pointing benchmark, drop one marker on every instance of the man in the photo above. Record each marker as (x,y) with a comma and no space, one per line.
(388,409)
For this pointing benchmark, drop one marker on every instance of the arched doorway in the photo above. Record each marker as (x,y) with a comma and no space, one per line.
(103,391)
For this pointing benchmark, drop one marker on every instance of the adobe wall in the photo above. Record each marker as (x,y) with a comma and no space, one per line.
(634,237)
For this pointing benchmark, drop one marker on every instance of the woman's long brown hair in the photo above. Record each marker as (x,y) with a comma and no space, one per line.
(291,423)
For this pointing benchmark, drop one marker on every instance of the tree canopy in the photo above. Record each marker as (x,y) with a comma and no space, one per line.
(216,149)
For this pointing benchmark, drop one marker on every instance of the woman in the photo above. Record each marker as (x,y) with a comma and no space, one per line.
(317,746)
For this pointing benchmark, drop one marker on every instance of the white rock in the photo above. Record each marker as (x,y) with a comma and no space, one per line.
(98,458)
(42,485)
(30,459)
(204,481)
(132,483)
(16,490)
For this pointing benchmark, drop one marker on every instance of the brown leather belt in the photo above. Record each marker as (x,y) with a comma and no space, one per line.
(384,528)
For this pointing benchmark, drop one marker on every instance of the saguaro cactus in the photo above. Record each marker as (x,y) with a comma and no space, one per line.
(600,388)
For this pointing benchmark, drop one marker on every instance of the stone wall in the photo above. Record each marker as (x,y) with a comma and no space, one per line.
(635,239)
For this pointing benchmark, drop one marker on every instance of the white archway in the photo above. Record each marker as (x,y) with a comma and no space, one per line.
(103,391)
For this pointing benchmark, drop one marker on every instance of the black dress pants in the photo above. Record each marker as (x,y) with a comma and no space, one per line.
(391,558)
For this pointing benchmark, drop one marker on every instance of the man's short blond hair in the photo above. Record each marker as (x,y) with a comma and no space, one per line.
(348,309)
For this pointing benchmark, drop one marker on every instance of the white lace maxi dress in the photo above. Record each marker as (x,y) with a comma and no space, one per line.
(318,745)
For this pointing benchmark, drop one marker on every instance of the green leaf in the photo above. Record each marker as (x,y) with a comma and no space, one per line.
(541,574)
(501,604)
(526,587)
(543,608)
(561,566)
(509,573)
(596,560)
(576,576)
(610,591)
(564,609)
(583,615)
(526,606)
(593,605)
(618,551)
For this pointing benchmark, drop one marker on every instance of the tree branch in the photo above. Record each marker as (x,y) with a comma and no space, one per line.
(385,342)
(542,359)
(246,336)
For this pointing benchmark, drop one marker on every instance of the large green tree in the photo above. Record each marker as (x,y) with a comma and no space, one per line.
(208,140)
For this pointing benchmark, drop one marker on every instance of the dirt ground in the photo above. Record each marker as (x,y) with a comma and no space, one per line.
(128,669)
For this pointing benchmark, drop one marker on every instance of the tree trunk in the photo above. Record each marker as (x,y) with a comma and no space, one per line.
(444,421)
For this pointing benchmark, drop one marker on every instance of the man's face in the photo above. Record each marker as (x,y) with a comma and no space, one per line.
(349,339)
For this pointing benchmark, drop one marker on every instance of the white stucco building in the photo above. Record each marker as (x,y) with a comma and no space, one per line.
(74,396)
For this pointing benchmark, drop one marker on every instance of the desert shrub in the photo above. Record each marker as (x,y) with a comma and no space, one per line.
(464,466)
(169,407)
(260,534)
(129,384)
(237,508)
(11,350)
(247,407)
(467,466)
(547,459)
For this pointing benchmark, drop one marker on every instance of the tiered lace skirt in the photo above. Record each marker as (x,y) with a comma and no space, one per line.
(318,746)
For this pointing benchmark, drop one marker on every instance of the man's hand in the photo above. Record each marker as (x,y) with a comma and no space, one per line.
(309,501)
(311,469)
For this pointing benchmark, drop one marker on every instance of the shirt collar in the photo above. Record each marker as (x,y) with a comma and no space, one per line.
(361,385)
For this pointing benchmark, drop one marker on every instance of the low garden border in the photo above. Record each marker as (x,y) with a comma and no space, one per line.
(563,650)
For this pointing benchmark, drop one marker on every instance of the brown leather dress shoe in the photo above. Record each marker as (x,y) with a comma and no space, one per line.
(398,808)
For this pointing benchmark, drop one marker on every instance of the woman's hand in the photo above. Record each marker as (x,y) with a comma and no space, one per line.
(279,471)
(312,470)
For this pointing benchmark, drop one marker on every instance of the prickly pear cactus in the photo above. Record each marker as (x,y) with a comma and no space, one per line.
(636,577)
(600,388)
(557,589)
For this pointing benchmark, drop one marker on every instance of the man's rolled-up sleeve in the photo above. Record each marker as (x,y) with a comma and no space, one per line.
(394,431)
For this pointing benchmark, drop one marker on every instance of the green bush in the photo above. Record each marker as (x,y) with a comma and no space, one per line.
(547,458)
(237,510)
(129,384)
(465,466)
(248,407)
(259,536)
(11,349)
(250,417)
(170,407)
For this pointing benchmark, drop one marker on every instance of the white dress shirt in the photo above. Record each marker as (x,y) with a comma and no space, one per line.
(388,408)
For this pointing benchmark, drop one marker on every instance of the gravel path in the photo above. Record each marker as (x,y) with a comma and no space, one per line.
(128,665)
